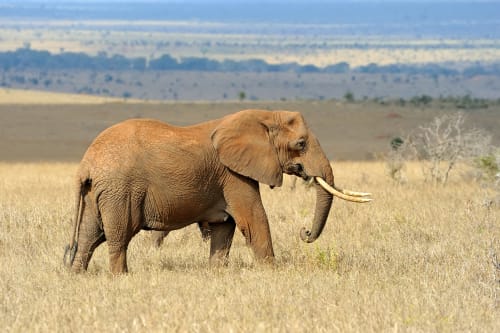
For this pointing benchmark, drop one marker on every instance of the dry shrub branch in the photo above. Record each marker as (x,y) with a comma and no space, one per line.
(439,146)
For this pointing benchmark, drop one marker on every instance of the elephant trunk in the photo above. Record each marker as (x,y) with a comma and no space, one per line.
(323,204)
(318,167)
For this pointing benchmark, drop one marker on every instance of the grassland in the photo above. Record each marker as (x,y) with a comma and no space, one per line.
(33,97)
(319,45)
(418,258)
(216,40)
(227,86)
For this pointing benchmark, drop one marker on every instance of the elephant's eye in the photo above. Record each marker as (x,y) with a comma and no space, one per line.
(300,144)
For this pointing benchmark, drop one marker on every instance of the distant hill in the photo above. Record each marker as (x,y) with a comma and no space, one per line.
(24,58)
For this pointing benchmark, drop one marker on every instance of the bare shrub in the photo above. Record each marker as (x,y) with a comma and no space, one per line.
(444,142)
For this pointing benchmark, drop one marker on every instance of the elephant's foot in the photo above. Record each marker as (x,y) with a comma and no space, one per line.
(81,261)
(263,253)
(267,261)
(118,261)
(258,238)
(79,265)
(219,259)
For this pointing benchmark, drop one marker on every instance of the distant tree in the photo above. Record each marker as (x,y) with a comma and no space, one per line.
(342,67)
(18,79)
(349,96)
(241,95)
(422,100)
(370,68)
(165,62)
(396,143)
(308,69)
(108,78)
(138,64)
(198,64)
(469,103)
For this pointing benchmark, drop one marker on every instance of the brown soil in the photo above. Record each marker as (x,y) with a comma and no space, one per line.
(347,131)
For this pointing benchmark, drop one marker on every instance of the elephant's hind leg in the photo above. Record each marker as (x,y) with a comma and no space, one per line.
(90,237)
(86,249)
(118,238)
(221,239)
(121,220)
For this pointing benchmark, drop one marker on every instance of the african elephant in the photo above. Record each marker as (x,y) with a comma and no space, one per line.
(158,236)
(146,174)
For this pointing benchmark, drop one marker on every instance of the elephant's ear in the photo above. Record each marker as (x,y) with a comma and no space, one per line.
(243,143)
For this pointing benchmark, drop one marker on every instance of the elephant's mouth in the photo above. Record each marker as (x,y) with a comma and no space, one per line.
(297,169)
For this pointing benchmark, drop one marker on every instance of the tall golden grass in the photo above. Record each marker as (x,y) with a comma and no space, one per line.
(418,258)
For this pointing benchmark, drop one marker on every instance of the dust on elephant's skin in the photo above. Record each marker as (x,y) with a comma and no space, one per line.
(146,174)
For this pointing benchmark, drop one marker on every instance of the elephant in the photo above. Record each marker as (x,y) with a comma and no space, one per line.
(144,174)
(159,236)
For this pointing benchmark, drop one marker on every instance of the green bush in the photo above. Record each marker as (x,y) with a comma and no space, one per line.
(488,165)
(349,96)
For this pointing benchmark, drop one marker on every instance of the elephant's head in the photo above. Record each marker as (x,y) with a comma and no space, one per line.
(263,145)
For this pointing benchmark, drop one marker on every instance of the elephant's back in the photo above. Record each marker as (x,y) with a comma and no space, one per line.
(138,146)
(132,132)
(124,143)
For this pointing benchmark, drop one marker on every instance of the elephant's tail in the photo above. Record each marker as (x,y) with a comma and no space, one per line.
(72,247)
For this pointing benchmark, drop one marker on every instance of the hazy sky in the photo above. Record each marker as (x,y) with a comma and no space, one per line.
(241,1)
(244,1)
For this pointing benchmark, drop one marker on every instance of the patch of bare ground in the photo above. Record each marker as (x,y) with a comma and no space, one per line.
(347,131)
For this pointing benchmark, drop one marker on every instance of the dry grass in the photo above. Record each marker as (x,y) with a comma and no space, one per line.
(416,259)
(33,97)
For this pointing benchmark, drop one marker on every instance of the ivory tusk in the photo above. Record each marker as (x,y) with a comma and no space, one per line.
(355,194)
(339,194)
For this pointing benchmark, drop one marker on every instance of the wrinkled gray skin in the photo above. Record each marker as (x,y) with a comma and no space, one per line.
(159,236)
(148,175)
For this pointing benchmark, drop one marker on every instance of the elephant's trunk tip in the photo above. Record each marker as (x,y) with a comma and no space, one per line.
(305,235)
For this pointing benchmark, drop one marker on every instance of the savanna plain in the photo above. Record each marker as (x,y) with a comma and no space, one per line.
(420,257)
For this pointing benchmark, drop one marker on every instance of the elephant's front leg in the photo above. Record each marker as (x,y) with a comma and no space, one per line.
(221,239)
(245,205)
